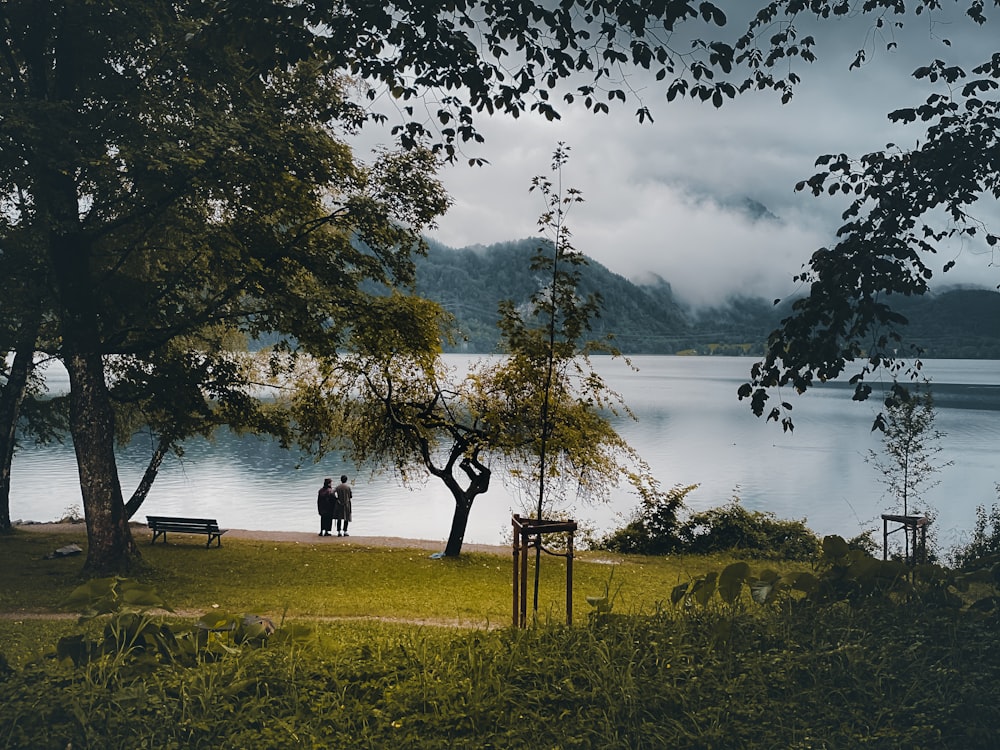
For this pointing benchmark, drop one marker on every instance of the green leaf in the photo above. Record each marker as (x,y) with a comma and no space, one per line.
(678,593)
(986,604)
(704,587)
(802,581)
(86,596)
(139,595)
(72,647)
(600,603)
(731,581)
(834,547)
(217,621)
(293,634)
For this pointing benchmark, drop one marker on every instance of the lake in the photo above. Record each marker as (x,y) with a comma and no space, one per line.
(691,429)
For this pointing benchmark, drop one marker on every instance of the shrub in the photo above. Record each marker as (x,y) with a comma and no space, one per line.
(985,540)
(656,529)
(757,533)
(653,529)
(866,542)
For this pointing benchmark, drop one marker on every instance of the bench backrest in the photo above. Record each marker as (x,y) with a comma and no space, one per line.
(173,521)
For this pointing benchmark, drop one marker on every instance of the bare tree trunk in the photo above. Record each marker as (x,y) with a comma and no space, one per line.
(110,547)
(479,482)
(459,523)
(10,407)
(148,477)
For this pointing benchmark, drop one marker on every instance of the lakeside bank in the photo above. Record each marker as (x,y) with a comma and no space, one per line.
(141,533)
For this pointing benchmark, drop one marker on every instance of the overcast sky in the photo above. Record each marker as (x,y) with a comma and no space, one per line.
(666,197)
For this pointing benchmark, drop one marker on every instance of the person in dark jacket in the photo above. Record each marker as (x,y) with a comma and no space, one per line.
(325,502)
(342,504)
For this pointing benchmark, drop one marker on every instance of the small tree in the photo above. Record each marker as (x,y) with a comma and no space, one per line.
(906,463)
(554,403)
(547,374)
(392,404)
(541,411)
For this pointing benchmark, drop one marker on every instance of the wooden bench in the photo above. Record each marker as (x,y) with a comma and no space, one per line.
(160,525)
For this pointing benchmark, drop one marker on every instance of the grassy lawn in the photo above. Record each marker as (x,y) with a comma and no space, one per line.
(401,650)
(313,582)
(316,580)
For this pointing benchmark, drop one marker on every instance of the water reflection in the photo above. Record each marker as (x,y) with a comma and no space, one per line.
(690,428)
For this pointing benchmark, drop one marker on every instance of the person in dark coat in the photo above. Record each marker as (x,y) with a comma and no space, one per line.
(342,504)
(325,502)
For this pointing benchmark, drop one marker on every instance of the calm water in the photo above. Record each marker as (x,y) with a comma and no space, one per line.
(691,429)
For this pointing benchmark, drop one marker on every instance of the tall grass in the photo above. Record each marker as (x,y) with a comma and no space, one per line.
(703,679)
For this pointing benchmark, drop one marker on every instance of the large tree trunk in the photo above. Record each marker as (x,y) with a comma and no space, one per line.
(110,547)
(10,407)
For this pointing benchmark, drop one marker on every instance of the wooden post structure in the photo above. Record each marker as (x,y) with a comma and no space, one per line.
(528,533)
(910,525)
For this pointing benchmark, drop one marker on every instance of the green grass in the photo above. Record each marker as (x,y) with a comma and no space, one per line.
(708,679)
(420,669)
(306,580)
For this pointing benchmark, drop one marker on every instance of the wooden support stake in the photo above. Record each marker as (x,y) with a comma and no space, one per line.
(517,576)
(528,532)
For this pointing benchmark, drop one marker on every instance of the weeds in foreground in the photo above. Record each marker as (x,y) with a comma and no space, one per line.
(718,671)
(856,656)
(848,678)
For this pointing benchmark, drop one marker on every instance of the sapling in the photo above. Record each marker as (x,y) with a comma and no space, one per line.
(907,463)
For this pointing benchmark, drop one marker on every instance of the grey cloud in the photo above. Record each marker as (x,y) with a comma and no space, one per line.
(666,197)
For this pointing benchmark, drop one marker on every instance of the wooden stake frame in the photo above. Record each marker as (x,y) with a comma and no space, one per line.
(915,528)
(528,534)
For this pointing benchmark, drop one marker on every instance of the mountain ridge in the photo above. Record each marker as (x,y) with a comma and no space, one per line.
(644,317)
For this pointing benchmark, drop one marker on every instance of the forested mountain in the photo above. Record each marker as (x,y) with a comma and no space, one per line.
(647,319)
(471,282)
(956,324)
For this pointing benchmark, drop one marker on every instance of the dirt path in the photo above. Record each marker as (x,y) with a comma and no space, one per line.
(142,532)
(195,614)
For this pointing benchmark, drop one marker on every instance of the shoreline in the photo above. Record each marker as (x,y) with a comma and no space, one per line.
(141,531)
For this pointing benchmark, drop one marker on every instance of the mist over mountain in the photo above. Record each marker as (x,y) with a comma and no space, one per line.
(645,317)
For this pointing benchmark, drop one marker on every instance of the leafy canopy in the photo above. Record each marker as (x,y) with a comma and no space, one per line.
(906,205)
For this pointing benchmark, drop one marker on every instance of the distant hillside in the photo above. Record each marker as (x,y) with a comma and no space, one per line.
(955,324)
(471,282)
(646,318)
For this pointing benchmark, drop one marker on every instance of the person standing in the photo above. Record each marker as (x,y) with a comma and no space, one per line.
(325,502)
(342,504)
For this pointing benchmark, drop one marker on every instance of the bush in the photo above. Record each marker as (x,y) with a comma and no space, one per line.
(654,527)
(866,542)
(985,540)
(757,533)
